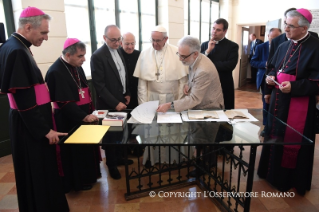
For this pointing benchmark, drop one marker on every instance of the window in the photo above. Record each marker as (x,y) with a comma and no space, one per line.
(205,20)
(77,25)
(214,12)
(201,17)
(194,18)
(129,18)
(104,15)
(148,21)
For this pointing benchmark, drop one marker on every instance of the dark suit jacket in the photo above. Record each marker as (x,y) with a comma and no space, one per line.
(225,58)
(259,61)
(106,79)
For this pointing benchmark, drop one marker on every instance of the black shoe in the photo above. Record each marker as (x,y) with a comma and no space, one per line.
(114,173)
(148,164)
(86,187)
(122,162)
(262,133)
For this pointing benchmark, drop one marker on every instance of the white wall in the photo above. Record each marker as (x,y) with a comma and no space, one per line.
(171,16)
(257,12)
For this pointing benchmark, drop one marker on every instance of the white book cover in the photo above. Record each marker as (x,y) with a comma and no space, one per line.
(114,119)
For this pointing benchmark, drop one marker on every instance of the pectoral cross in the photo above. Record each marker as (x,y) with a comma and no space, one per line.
(157,73)
(279,72)
(82,93)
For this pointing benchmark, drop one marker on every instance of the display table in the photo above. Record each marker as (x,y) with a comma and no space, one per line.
(219,157)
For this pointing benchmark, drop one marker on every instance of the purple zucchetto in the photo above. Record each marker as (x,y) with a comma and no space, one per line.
(30,12)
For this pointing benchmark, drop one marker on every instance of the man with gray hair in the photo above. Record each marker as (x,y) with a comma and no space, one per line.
(295,67)
(161,75)
(71,97)
(203,90)
(31,127)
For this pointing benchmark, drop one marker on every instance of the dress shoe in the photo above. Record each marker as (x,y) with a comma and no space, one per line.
(148,164)
(122,162)
(86,187)
(114,173)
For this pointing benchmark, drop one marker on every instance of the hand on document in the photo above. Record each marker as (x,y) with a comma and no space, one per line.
(164,107)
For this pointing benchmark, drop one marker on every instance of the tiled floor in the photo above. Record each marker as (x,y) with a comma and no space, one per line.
(108,194)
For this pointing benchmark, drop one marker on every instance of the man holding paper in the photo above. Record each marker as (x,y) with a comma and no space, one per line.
(295,67)
(72,104)
(203,90)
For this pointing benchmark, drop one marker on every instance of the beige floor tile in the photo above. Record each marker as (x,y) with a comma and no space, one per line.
(132,207)
(9,202)
(5,188)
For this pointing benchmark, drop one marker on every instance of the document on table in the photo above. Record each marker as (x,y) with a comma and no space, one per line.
(144,113)
(221,117)
(202,114)
(248,116)
(169,117)
(88,134)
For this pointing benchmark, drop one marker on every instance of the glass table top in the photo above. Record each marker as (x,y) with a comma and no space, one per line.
(203,133)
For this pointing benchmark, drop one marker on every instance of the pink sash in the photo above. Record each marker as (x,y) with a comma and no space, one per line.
(297,114)
(83,101)
(41,92)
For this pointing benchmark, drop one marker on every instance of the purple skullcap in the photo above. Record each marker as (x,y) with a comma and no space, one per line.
(305,13)
(70,42)
(30,12)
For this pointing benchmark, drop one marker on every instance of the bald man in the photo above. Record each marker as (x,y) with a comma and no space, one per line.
(130,56)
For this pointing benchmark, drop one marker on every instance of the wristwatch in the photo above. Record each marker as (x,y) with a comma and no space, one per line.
(172,105)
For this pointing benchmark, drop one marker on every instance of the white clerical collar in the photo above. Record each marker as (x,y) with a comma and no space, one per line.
(22,35)
(217,41)
(296,41)
(65,60)
(192,65)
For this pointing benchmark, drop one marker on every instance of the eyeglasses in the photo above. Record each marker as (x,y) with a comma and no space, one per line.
(156,41)
(127,44)
(291,26)
(182,56)
(114,40)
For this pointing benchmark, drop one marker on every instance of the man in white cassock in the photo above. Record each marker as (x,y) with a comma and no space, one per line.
(161,77)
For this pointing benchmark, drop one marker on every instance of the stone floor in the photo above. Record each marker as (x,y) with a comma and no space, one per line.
(108,194)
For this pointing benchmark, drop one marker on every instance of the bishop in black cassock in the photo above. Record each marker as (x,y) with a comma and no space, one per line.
(295,66)
(39,187)
(68,85)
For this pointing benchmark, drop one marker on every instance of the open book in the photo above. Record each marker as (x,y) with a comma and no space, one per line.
(232,114)
(201,114)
